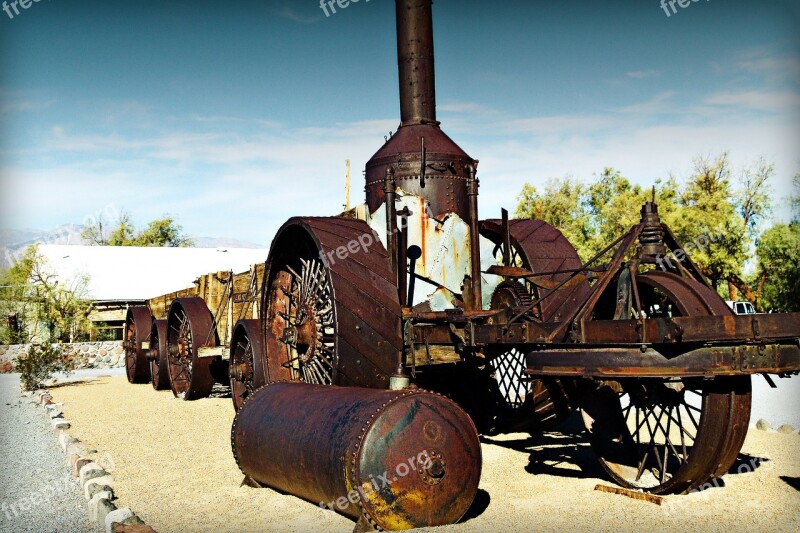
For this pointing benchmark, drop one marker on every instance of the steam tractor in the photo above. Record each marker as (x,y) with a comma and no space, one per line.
(374,322)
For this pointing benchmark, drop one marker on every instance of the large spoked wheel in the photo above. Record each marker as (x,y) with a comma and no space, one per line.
(137,331)
(669,435)
(190,327)
(331,318)
(157,356)
(522,404)
(246,370)
(306,323)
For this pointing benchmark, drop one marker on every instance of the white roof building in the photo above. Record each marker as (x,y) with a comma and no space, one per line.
(127,273)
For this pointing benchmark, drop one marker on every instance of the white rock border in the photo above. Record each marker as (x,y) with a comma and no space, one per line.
(96,483)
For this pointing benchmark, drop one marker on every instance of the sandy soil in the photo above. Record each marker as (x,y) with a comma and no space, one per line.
(172,464)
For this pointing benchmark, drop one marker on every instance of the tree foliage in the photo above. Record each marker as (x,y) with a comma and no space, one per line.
(716,209)
(160,232)
(779,267)
(45,308)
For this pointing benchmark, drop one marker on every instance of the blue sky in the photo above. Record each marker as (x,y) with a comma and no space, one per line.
(233,116)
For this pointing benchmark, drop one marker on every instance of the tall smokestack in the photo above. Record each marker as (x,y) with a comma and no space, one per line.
(423,160)
(415,62)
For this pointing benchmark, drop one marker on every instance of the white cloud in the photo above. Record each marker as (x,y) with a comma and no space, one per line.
(757,100)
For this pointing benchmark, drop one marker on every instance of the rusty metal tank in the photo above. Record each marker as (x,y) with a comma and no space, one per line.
(393,459)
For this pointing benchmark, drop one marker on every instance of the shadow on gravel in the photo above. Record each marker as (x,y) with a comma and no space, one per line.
(793,482)
(747,463)
(479,505)
(564,452)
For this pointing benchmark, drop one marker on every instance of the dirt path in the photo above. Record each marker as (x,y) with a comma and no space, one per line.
(173,466)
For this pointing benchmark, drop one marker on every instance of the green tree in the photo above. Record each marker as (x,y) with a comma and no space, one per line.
(711,208)
(779,267)
(48,309)
(562,204)
(160,232)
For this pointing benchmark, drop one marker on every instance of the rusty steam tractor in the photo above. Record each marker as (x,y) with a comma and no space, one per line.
(361,314)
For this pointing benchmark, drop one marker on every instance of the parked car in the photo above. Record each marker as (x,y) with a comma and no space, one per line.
(741,308)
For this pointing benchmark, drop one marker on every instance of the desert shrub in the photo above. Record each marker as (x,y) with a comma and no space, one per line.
(39,365)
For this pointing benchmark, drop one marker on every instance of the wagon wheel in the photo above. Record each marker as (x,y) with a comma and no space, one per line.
(190,327)
(137,330)
(669,435)
(330,318)
(157,356)
(523,404)
(246,372)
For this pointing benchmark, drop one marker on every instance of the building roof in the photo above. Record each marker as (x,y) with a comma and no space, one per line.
(134,273)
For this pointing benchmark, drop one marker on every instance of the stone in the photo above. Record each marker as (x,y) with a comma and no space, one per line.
(763,425)
(53,406)
(6,367)
(55,413)
(786,429)
(118,350)
(97,485)
(133,528)
(100,365)
(78,449)
(107,359)
(91,471)
(102,353)
(78,463)
(121,516)
(99,506)
(60,423)
(90,361)
(64,440)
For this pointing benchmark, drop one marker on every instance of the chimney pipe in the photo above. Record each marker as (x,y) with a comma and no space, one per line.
(415,62)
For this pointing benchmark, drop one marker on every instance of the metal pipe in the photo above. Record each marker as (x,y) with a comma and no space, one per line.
(389,191)
(415,61)
(474,238)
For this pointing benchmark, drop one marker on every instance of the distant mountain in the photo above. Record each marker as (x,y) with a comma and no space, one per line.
(14,241)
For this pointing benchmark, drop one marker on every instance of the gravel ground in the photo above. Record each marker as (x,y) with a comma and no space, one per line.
(173,466)
(37,492)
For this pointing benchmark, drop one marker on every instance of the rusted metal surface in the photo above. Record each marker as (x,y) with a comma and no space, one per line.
(247,366)
(610,362)
(726,328)
(190,327)
(538,247)
(404,459)
(667,435)
(339,322)
(415,61)
(137,331)
(157,355)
